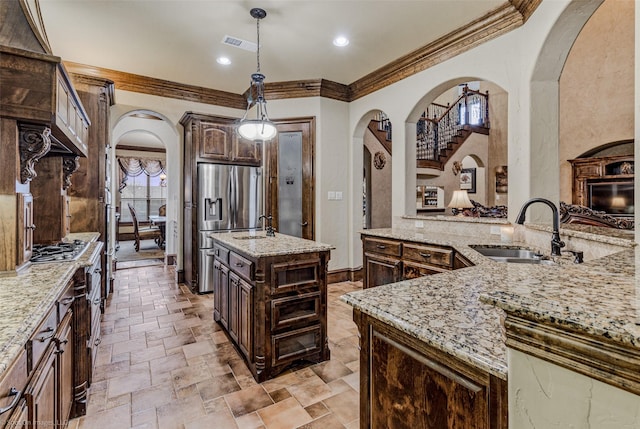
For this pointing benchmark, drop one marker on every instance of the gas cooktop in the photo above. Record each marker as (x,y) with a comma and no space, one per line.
(60,252)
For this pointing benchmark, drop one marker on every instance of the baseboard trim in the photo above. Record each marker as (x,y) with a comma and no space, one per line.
(345,275)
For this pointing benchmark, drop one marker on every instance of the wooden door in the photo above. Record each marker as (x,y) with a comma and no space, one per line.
(291,182)
(381,270)
(234,291)
(224,296)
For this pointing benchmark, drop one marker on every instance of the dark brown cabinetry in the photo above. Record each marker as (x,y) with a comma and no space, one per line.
(592,177)
(388,261)
(207,139)
(406,384)
(274,308)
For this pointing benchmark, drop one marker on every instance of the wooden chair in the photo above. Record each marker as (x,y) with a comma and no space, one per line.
(142,233)
(162,210)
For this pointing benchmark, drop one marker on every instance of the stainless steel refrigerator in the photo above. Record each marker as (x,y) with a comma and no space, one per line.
(229,199)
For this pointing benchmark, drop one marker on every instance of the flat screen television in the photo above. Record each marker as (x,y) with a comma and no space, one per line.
(614,198)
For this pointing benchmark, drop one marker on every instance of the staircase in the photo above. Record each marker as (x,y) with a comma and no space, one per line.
(443,129)
(380,127)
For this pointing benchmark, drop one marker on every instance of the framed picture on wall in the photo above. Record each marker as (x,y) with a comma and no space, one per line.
(468,180)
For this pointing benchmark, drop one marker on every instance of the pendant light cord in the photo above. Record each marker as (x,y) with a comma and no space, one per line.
(258,50)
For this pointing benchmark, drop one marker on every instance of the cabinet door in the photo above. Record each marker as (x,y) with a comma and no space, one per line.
(216,290)
(224,296)
(412,270)
(41,394)
(247,151)
(215,141)
(245,309)
(27,226)
(65,363)
(413,390)
(381,270)
(234,299)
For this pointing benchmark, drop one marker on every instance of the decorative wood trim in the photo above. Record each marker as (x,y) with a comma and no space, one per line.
(70,165)
(160,87)
(141,149)
(106,84)
(526,7)
(595,357)
(509,16)
(307,88)
(500,21)
(34,142)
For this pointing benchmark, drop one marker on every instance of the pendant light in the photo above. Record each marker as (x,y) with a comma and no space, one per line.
(261,128)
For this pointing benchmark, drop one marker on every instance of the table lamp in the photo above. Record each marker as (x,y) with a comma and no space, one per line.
(460,201)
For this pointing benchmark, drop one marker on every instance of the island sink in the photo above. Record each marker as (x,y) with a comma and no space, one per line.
(518,255)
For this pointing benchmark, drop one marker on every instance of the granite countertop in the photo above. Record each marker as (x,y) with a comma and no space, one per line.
(461,312)
(27,295)
(257,244)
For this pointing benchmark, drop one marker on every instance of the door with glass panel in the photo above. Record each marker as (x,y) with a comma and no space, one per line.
(289,169)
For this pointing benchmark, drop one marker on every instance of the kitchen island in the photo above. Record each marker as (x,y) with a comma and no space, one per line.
(447,330)
(270,296)
(45,328)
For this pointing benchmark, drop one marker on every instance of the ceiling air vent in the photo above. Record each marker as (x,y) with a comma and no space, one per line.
(239,43)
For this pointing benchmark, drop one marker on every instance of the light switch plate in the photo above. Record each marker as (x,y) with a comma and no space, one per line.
(338,195)
(331,195)
(419,224)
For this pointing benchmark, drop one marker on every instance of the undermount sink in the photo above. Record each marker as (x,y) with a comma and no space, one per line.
(517,255)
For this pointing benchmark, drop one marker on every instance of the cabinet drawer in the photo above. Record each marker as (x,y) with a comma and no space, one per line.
(12,384)
(38,343)
(379,245)
(296,344)
(428,255)
(293,275)
(412,270)
(64,302)
(295,310)
(241,265)
(221,253)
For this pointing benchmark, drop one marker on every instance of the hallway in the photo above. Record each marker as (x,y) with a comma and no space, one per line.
(163,363)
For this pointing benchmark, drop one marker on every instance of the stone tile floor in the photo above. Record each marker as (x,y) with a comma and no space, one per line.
(164,364)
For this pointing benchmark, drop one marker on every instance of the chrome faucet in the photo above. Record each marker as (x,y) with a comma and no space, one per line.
(556,243)
(270,231)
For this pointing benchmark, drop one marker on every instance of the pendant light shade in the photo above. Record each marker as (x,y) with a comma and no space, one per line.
(261,128)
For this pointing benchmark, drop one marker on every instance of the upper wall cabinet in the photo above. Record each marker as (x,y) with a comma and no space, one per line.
(213,139)
(36,88)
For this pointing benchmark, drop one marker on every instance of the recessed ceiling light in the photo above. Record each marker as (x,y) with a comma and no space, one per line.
(341,41)
(224,61)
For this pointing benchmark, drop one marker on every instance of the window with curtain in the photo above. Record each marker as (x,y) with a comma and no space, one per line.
(143,185)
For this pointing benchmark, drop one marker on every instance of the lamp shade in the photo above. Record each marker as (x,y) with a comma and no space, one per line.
(256,129)
(460,200)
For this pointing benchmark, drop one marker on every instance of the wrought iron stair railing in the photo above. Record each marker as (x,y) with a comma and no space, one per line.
(442,129)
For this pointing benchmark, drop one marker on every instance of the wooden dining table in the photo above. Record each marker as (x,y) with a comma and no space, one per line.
(161,223)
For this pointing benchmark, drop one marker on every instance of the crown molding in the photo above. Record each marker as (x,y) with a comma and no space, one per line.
(160,87)
(509,16)
(500,21)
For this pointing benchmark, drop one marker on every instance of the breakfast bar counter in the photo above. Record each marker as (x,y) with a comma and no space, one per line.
(458,317)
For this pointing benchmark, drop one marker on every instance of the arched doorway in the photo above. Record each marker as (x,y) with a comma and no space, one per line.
(376,187)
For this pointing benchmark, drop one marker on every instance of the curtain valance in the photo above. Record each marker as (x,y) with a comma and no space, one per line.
(132,167)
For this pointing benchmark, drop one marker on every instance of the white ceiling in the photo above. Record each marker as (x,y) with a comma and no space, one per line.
(179,40)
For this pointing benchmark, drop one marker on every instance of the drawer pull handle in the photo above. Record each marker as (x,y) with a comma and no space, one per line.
(44,337)
(12,392)
(96,301)
(67,301)
(97,342)
(381,246)
(425,255)
(239,264)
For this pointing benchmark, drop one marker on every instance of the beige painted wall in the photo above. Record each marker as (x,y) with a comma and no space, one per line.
(597,86)
(380,198)
(544,395)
